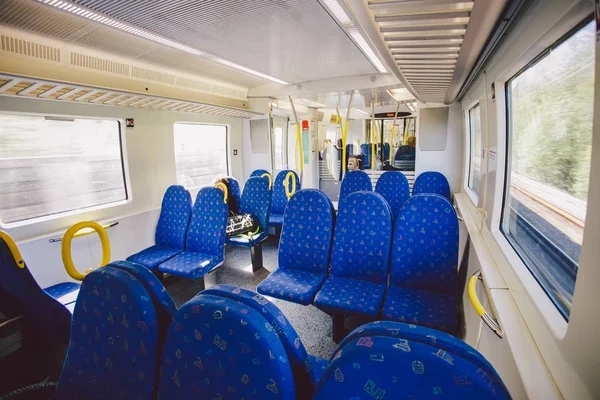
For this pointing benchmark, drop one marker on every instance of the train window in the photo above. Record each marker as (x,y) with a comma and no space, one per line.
(549,120)
(200,153)
(55,165)
(474,123)
(277,149)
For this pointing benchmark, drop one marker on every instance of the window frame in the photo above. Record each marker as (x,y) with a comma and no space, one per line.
(539,299)
(227,145)
(69,213)
(469,149)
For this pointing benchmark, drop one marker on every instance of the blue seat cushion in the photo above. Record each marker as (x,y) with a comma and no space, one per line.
(275,219)
(419,307)
(65,292)
(350,295)
(245,242)
(191,264)
(319,366)
(292,285)
(153,256)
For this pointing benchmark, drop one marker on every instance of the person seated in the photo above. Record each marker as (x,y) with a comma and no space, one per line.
(354,164)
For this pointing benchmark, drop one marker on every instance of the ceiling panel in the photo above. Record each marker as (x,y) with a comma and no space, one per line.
(289,39)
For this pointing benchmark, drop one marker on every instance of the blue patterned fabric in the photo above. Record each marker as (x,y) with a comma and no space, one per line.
(365,149)
(361,250)
(304,248)
(234,190)
(387,367)
(432,182)
(301,363)
(113,353)
(349,150)
(247,242)
(280,199)
(424,264)
(319,366)
(386,151)
(259,173)
(354,181)
(65,292)
(205,242)
(47,318)
(256,200)
(219,348)
(393,186)
(171,229)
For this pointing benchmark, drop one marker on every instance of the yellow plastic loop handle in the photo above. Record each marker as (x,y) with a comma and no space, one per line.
(12,246)
(66,246)
(290,176)
(270,179)
(223,187)
(472,290)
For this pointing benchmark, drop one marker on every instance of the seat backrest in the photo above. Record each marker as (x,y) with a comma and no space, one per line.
(365,149)
(206,233)
(425,245)
(46,317)
(234,190)
(256,200)
(280,199)
(396,368)
(432,182)
(259,173)
(296,353)
(114,350)
(221,348)
(163,303)
(354,181)
(386,151)
(361,241)
(349,150)
(305,241)
(175,214)
(405,153)
(393,186)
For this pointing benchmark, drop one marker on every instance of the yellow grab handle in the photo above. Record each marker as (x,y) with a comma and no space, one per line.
(223,187)
(288,193)
(472,290)
(12,246)
(299,145)
(270,179)
(66,247)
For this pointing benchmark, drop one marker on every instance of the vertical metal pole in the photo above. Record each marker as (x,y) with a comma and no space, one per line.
(298,140)
(344,134)
(392,134)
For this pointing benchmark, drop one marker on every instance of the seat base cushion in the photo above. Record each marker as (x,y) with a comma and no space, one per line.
(319,366)
(350,296)
(419,307)
(292,285)
(245,242)
(275,219)
(153,256)
(191,264)
(65,292)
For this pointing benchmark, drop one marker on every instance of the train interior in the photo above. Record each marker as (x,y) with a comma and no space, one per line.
(259,199)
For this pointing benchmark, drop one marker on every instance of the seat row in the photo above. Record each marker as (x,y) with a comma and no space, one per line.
(129,341)
(343,264)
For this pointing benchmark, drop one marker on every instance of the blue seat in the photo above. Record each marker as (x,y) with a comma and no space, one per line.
(205,241)
(306,369)
(376,365)
(360,256)
(393,186)
(280,199)
(424,264)
(113,352)
(304,248)
(171,229)
(47,318)
(386,151)
(365,149)
(259,173)
(217,347)
(235,191)
(432,182)
(354,181)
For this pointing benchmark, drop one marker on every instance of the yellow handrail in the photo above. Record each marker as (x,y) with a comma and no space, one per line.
(223,187)
(270,179)
(66,247)
(12,246)
(472,290)
(298,139)
(288,193)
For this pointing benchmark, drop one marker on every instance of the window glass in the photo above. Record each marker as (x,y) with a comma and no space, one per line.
(278,164)
(550,108)
(200,154)
(55,165)
(475,140)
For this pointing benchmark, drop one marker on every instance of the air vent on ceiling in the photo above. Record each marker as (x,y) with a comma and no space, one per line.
(100,64)
(151,75)
(30,49)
